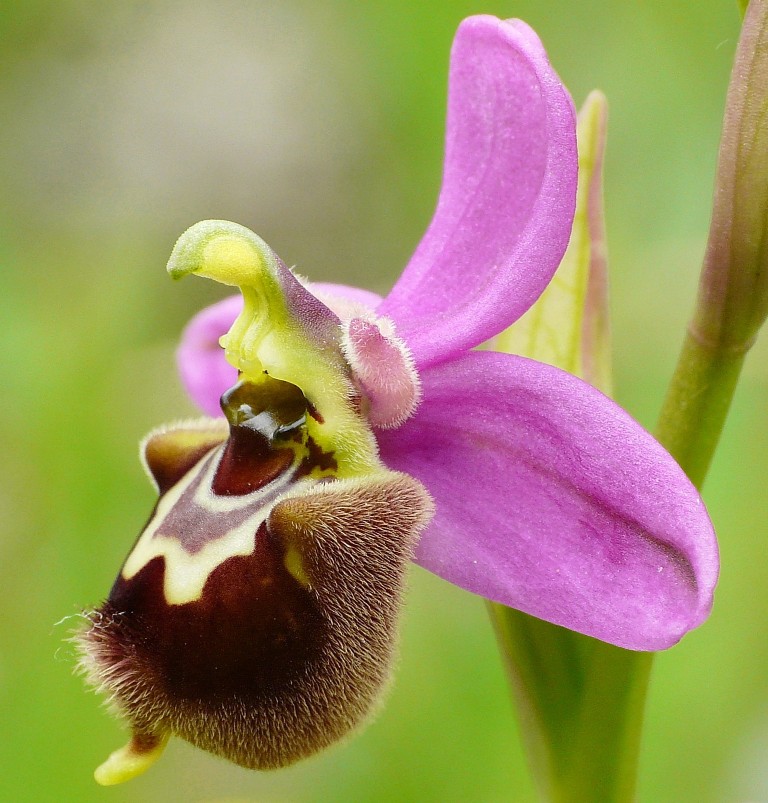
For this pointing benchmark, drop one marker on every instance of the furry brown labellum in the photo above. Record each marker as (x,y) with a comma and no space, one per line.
(256,615)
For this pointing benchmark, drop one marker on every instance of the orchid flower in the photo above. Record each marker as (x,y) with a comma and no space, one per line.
(256,615)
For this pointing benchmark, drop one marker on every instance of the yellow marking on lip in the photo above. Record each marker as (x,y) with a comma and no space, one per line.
(186,573)
(295,566)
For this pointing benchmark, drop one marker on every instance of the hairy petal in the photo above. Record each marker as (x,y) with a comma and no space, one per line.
(287,646)
(552,500)
(384,370)
(506,205)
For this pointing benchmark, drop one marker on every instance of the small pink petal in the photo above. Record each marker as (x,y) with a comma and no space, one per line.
(328,292)
(204,371)
(384,369)
(506,205)
(552,500)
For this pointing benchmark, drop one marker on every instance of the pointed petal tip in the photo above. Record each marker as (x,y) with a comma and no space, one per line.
(131,760)
(511,27)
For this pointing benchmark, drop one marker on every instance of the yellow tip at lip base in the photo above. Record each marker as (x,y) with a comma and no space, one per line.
(131,760)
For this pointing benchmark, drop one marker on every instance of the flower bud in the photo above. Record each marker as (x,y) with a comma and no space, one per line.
(733,293)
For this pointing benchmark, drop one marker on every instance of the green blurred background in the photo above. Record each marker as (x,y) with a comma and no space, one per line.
(319,124)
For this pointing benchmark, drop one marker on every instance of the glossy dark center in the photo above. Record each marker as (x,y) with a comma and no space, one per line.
(265,419)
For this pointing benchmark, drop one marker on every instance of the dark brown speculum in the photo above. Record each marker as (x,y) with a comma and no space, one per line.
(252,621)
(256,615)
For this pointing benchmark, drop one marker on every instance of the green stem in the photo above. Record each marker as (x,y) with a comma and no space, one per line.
(697,403)
(581,704)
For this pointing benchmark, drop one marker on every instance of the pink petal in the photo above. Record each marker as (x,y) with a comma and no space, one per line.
(509,186)
(346,292)
(552,500)
(204,371)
